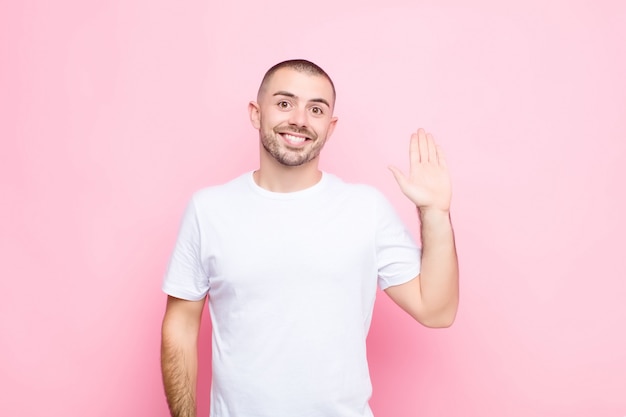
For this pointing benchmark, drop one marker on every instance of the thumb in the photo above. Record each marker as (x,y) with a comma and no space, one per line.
(398,175)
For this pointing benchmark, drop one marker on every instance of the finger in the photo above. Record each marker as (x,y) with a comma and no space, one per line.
(441,157)
(398,175)
(414,151)
(423,145)
(432,150)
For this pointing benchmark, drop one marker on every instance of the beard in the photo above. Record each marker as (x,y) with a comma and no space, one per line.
(290,156)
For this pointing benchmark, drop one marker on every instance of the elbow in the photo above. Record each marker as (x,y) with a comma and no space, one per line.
(438,324)
(437,320)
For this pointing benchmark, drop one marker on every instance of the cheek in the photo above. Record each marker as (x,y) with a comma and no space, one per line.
(323,129)
(269,121)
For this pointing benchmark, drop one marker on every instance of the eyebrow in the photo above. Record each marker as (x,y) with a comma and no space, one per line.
(314,100)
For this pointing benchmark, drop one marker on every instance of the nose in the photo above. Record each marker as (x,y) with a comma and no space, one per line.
(298,117)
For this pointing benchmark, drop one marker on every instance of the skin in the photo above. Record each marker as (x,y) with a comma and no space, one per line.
(301,105)
(432,297)
(179,354)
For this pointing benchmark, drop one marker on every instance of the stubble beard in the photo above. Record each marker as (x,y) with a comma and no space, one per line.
(287,156)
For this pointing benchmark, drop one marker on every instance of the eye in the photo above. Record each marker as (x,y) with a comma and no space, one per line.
(283,104)
(317,111)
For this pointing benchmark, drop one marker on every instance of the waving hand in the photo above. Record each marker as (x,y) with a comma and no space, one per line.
(428,184)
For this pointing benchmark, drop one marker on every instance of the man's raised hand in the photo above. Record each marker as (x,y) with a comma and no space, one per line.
(428,184)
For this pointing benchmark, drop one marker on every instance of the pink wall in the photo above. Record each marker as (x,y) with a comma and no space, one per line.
(112,113)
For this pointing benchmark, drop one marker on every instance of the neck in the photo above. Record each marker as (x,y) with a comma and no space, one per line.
(276,177)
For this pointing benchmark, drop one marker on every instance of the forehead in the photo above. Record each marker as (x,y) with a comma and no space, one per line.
(304,86)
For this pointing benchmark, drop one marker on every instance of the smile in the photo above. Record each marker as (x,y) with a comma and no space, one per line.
(293,139)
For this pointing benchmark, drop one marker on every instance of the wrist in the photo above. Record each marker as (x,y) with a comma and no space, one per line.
(433,212)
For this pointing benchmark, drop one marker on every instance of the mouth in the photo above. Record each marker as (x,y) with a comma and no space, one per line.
(294,139)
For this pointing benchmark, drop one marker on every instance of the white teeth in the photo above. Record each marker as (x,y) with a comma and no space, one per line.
(292,138)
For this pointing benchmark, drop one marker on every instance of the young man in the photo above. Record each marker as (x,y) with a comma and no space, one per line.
(289,258)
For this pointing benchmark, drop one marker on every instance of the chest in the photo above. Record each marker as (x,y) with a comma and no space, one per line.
(291,248)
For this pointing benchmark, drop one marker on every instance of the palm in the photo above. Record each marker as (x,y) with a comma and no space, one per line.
(428,183)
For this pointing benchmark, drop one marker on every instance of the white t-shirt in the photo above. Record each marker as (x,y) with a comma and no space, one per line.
(291,279)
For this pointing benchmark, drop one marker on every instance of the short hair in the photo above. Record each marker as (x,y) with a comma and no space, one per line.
(300,65)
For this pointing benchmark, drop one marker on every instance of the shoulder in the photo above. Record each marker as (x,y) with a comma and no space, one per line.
(355,191)
(223,193)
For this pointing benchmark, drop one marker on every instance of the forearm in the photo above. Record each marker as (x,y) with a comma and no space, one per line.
(439,276)
(179,367)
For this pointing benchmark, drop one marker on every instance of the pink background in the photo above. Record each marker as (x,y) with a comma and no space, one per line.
(113,113)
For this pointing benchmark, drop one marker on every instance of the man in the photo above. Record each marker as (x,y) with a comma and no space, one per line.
(289,258)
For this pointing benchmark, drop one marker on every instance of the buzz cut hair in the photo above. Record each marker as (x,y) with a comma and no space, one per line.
(300,65)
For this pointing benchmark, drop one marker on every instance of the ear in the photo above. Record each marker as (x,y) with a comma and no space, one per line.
(331,127)
(255,114)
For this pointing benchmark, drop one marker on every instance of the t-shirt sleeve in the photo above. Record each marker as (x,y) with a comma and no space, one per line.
(397,254)
(187,274)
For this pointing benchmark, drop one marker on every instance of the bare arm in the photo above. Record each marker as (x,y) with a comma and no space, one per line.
(432,297)
(179,354)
